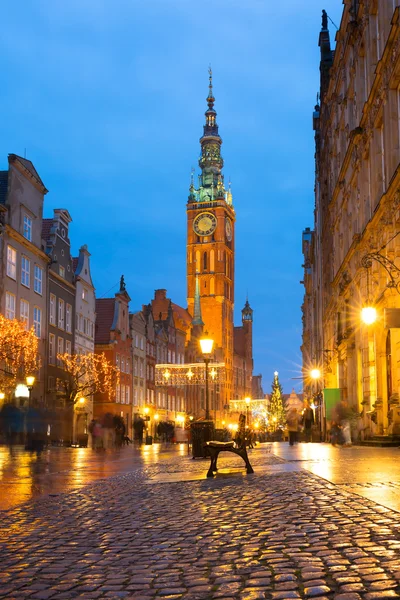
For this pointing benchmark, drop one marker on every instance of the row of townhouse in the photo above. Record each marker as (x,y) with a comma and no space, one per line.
(44,285)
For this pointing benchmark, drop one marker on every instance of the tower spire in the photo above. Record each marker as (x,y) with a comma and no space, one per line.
(210,97)
(197,320)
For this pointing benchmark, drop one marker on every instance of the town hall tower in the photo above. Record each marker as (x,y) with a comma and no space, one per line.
(211,247)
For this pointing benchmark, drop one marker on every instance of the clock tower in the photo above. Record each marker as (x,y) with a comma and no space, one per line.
(211,249)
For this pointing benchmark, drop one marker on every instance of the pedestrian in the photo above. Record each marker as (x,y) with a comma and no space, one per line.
(138,427)
(108,431)
(91,427)
(308,421)
(293,422)
(342,418)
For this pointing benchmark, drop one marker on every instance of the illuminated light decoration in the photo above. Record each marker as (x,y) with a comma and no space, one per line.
(213,373)
(19,355)
(88,374)
(81,400)
(368,315)
(21,391)
(146,410)
(178,374)
(156,417)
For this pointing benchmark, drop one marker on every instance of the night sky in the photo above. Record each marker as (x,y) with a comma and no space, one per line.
(107,99)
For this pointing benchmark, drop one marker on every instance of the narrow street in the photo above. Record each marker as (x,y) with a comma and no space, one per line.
(147,524)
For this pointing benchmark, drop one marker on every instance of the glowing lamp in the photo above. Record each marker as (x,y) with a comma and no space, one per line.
(368,315)
(82,400)
(30,381)
(156,417)
(206,345)
(315,373)
(247,400)
(146,410)
(2,395)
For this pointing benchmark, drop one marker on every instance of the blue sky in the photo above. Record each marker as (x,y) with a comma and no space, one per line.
(107,98)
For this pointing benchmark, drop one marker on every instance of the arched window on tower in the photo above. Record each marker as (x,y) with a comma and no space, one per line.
(197,261)
(212,286)
(205,261)
(212,261)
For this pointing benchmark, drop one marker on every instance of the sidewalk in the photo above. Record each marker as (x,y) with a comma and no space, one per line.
(280,533)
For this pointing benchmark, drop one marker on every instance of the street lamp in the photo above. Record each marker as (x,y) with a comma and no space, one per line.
(206,345)
(2,396)
(368,315)
(248,400)
(30,382)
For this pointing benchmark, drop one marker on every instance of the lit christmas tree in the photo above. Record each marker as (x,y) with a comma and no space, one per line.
(277,413)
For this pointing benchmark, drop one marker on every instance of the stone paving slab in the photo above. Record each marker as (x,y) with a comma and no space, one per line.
(276,535)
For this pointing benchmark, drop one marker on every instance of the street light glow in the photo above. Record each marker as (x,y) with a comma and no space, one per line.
(315,373)
(30,380)
(247,400)
(368,315)
(206,345)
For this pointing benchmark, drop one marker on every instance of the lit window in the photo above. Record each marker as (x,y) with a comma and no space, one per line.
(24,312)
(37,321)
(68,312)
(25,271)
(52,349)
(117,360)
(10,306)
(118,393)
(84,294)
(122,394)
(62,271)
(11,262)
(127,398)
(123,364)
(27,228)
(61,313)
(68,347)
(52,315)
(127,366)
(60,349)
(37,284)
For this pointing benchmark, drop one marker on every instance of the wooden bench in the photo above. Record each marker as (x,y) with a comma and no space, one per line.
(213,448)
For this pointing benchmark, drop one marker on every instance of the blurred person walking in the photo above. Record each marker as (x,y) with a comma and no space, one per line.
(308,421)
(293,422)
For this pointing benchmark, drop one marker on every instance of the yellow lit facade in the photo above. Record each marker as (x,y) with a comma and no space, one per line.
(351,323)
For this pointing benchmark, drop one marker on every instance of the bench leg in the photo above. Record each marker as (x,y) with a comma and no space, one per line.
(213,465)
(249,468)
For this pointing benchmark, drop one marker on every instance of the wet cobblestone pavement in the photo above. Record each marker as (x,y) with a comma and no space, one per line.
(269,535)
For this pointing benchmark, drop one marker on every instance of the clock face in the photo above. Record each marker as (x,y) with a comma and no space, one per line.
(228,229)
(205,223)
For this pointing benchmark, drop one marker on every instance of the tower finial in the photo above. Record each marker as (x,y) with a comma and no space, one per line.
(210,98)
(324,20)
(197,320)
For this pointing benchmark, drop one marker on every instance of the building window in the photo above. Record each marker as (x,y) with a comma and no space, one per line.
(141,343)
(52,312)
(27,228)
(84,294)
(37,283)
(117,360)
(62,271)
(137,341)
(68,348)
(37,321)
(68,312)
(24,312)
(52,349)
(123,364)
(51,384)
(60,349)
(118,393)
(85,329)
(135,366)
(25,271)
(122,394)
(11,262)
(61,313)
(127,398)
(127,366)
(10,306)
(141,367)
(77,322)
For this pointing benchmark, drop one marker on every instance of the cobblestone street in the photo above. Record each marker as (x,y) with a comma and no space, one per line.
(280,533)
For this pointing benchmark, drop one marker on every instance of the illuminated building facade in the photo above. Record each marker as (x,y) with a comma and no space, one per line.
(350,257)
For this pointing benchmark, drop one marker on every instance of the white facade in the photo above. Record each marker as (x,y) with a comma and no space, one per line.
(85,317)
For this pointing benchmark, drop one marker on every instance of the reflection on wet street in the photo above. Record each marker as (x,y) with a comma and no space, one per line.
(26,475)
(371,472)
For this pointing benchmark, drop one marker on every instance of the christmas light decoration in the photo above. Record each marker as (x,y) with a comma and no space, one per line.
(87,374)
(18,352)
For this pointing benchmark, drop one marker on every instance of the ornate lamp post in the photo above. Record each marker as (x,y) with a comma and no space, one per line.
(247,400)
(206,345)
